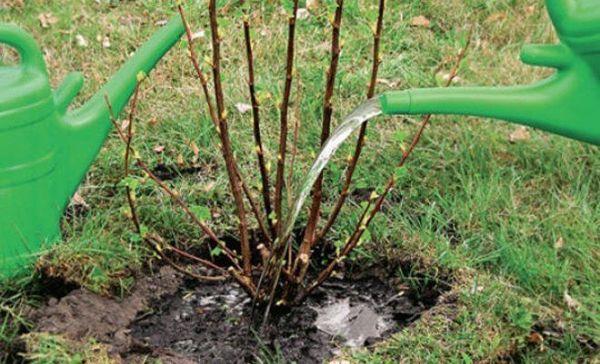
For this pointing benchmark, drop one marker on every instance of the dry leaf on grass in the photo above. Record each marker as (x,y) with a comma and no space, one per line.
(387,82)
(159,149)
(103,40)
(559,243)
(496,17)
(47,19)
(77,200)
(535,338)
(81,41)
(420,21)
(198,35)
(303,14)
(572,303)
(243,108)
(519,134)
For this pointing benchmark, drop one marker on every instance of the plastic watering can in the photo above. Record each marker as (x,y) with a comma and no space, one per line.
(567,103)
(45,150)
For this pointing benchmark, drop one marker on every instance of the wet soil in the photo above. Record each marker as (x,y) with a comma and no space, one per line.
(179,321)
(208,323)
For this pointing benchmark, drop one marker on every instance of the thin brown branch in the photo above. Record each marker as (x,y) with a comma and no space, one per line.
(283,131)
(226,148)
(296,135)
(366,219)
(204,262)
(199,73)
(177,199)
(363,129)
(130,197)
(260,153)
(255,209)
(301,264)
(155,242)
(245,282)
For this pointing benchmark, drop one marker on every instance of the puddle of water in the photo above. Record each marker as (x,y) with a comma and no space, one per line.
(355,323)
(366,111)
(208,322)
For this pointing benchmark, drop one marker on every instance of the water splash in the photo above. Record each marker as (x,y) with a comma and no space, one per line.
(366,111)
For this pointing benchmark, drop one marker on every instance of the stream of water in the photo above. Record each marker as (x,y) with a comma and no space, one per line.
(366,111)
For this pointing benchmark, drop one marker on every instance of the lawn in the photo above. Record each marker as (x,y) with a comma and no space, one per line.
(508,218)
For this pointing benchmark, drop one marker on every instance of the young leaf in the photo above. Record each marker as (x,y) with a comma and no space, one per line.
(201,212)
(216,251)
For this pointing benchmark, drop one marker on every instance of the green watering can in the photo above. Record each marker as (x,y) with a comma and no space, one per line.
(567,103)
(45,150)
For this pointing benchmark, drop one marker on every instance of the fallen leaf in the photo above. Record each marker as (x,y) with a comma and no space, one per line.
(195,148)
(303,13)
(494,17)
(530,9)
(105,42)
(572,303)
(420,21)
(159,149)
(208,187)
(13,4)
(535,338)
(199,34)
(559,243)
(312,4)
(153,121)
(243,108)
(445,76)
(519,134)
(77,200)
(387,82)
(180,160)
(81,41)
(47,19)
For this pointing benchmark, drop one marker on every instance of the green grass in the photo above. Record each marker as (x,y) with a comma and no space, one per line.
(508,204)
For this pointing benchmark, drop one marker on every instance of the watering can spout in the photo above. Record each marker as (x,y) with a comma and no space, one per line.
(563,104)
(566,103)
(86,128)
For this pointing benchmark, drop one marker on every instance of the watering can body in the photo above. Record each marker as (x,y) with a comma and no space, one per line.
(46,150)
(567,103)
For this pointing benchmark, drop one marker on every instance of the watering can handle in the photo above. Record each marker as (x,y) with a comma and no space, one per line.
(577,22)
(29,52)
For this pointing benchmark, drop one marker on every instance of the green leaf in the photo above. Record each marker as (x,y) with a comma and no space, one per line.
(143,230)
(216,251)
(132,182)
(202,213)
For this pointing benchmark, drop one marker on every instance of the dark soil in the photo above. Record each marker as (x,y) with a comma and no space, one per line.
(208,323)
(179,321)
(170,172)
